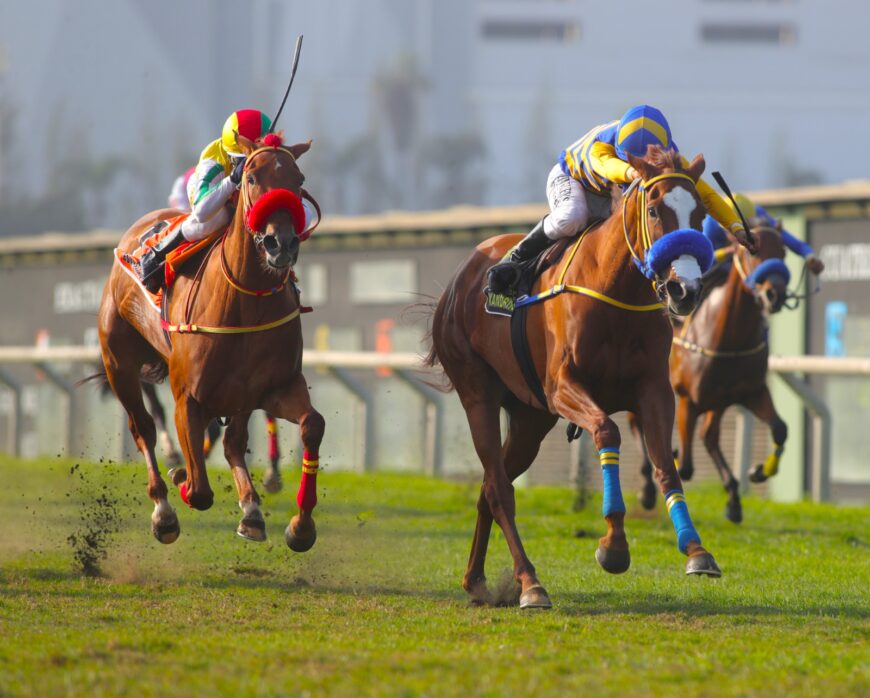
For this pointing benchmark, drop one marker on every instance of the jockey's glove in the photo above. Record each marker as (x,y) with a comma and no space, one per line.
(238,170)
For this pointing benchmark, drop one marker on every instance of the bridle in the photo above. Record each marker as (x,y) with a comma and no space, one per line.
(643,233)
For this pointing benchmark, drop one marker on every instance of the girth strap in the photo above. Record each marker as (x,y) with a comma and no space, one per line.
(520,344)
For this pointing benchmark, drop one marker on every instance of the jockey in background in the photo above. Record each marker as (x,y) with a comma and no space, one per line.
(210,189)
(178,198)
(578,186)
(757,215)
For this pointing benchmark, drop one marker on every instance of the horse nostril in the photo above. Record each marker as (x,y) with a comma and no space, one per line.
(677,290)
(271,245)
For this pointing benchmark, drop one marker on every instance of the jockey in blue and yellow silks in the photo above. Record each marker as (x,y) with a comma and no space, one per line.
(757,214)
(578,186)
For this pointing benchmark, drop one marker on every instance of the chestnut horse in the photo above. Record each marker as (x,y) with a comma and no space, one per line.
(719,359)
(231,344)
(599,345)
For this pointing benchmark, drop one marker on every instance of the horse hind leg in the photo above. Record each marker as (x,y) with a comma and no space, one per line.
(272,479)
(762,407)
(253,525)
(294,404)
(647,494)
(155,408)
(710,431)
(687,417)
(527,428)
(127,387)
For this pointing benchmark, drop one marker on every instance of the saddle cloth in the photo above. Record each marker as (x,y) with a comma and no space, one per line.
(174,260)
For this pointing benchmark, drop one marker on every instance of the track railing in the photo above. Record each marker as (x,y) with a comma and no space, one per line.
(407,368)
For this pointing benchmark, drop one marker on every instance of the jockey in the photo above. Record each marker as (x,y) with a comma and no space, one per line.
(178,198)
(215,179)
(757,214)
(578,186)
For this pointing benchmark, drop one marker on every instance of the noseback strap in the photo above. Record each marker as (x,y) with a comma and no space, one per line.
(672,246)
(768,268)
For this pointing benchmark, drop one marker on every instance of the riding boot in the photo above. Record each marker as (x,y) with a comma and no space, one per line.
(505,275)
(151,265)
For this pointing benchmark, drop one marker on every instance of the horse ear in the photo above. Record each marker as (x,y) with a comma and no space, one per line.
(246,145)
(300,148)
(696,167)
(647,170)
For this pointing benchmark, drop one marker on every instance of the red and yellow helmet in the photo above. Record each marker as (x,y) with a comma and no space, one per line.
(250,123)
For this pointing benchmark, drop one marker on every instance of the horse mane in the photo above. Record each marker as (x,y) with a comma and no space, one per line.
(664,158)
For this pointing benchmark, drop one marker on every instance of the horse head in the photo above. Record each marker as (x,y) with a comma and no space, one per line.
(764,273)
(669,213)
(271,189)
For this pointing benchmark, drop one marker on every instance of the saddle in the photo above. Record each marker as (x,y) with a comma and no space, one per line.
(174,260)
(505,305)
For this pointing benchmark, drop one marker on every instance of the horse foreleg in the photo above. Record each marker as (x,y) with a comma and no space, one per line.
(173,458)
(253,525)
(293,403)
(647,494)
(710,431)
(657,416)
(272,478)
(762,407)
(526,429)
(190,424)
(127,387)
(575,405)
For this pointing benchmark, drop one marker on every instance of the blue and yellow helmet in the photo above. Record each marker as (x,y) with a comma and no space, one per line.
(641,126)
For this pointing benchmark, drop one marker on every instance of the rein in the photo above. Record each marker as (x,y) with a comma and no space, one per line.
(193,328)
(713,354)
(646,243)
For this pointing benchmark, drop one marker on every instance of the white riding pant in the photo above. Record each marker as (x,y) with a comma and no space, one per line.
(571,206)
(194,229)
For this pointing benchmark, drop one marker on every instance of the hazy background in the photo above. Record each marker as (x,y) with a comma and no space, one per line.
(414,104)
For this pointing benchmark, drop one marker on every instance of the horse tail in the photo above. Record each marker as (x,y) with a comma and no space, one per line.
(150,373)
(429,308)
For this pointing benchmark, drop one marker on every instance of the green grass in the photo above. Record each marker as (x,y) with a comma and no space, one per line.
(376,607)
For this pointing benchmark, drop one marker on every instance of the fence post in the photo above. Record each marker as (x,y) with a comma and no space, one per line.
(743,445)
(68,389)
(433,447)
(820,459)
(16,424)
(366,449)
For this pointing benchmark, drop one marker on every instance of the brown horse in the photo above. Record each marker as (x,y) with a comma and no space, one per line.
(232,344)
(593,355)
(719,359)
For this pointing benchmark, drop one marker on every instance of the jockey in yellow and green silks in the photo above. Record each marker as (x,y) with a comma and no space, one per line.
(210,188)
(578,186)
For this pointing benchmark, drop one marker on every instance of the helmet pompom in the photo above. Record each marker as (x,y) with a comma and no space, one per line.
(272,140)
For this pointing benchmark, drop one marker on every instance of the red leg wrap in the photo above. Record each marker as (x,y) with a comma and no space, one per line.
(182,490)
(306,498)
(272,431)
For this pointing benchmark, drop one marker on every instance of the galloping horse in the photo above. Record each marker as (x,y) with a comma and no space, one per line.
(719,359)
(599,345)
(231,343)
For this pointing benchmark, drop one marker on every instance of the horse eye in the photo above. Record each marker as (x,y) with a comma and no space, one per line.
(250,179)
(651,211)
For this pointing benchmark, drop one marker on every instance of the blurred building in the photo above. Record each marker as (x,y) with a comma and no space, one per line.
(414,104)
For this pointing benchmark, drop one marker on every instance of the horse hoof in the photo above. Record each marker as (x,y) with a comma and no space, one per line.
(613,561)
(734,512)
(686,472)
(647,496)
(703,563)
(300,539)
(272,481)
(252,529)
(757,475)
(535,597)
(166,532)
(177,475)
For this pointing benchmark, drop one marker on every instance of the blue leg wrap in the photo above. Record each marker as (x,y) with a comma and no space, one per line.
(612,503)
(679,513)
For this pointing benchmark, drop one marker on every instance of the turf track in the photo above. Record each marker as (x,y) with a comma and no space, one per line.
(376,608)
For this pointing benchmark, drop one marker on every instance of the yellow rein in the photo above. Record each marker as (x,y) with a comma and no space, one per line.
(646,243)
